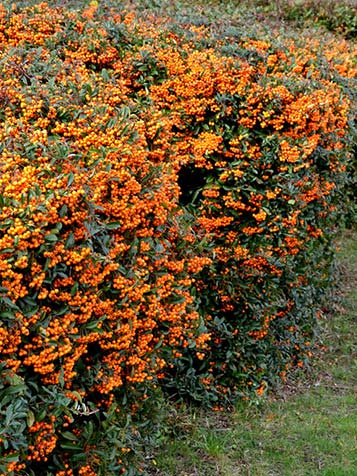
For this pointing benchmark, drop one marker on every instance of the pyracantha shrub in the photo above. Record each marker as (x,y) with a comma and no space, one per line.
(95,298)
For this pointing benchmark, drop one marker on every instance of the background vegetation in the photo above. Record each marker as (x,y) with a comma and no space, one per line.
(307,427)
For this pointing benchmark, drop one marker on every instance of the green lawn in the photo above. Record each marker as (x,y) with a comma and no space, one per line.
(307,428)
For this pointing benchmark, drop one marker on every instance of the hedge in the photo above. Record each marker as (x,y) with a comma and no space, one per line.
(168,196)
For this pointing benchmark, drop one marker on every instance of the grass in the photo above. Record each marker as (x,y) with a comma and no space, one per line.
(307,428)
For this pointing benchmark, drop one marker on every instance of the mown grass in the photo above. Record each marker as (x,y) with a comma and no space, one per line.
(307,428)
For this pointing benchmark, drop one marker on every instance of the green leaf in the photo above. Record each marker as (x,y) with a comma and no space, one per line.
(30,418)
(70,446)
(63,211)
(78,395)
(74,288)
(10,458)
(113,225)
(70,179)
(92,325)
(51,238)
(9,303)
(69,436)
(70,241)
(105,75)
(7,315)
